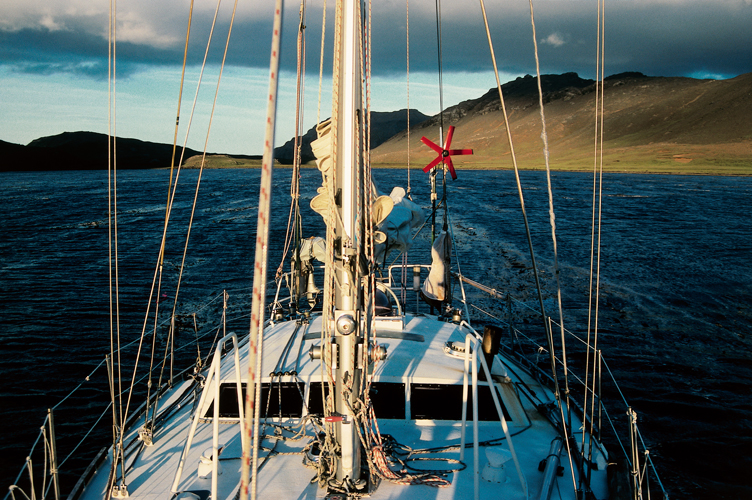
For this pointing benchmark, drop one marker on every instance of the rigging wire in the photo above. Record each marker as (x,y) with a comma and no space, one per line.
(117,408)
(407,29)
(547,326)
(566,420)
(595,234)
(441,73)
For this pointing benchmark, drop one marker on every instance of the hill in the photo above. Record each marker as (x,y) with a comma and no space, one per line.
(83,151)
(651,124)
(384,125)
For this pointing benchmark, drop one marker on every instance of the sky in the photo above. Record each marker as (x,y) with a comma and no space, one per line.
(54,59)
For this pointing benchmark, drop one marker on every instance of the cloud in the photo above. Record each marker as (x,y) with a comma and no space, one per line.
(659,37)
(554,39)
(48,22)
(87,68)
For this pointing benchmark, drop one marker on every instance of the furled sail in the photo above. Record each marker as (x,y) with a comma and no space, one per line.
(322,150)
(435,288)
(394,216)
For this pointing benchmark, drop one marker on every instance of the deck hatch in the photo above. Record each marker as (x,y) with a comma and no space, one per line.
(291,402)
(388,399)
(444,402)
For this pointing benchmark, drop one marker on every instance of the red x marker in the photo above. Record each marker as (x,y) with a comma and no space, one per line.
(445,154)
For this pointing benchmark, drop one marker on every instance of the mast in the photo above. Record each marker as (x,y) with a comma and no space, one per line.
(348,158)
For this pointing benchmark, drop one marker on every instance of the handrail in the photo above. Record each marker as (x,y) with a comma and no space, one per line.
(473,337)
(388,289)
(390,279)
(215,375)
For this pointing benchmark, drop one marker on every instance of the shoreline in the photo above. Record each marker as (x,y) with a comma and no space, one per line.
(742,172)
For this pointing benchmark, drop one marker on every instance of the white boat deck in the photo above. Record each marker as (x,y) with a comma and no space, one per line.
(416,358)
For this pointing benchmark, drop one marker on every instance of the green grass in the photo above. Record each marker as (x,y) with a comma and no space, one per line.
(652,159)
(629,160)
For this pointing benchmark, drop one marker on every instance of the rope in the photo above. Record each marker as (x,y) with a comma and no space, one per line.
(47,449)
(552,215)
(293,234)
(329,271)
(547,326)
(376,457)
(256,334)
(370,337)
(170,342)
(167,212)
(549,340)
(164,232)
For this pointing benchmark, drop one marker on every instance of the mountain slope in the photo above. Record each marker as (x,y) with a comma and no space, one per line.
(650,123)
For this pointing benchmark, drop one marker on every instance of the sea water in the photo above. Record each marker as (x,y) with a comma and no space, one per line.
(674,305)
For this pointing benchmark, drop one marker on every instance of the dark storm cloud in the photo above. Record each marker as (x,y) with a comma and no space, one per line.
(668,38)
(37,52)
(664,40)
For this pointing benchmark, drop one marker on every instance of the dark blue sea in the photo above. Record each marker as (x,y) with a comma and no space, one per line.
(675,316)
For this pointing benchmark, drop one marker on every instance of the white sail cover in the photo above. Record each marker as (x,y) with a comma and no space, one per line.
(398,226)
(313,248)
(435,286)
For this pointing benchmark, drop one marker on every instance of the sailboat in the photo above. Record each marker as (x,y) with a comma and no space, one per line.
(340,388)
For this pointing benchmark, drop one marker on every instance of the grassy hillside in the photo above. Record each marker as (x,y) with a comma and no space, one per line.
(651,124)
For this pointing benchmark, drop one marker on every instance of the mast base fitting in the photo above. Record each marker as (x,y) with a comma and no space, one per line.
(345,324)
(377,353)
(315,352)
